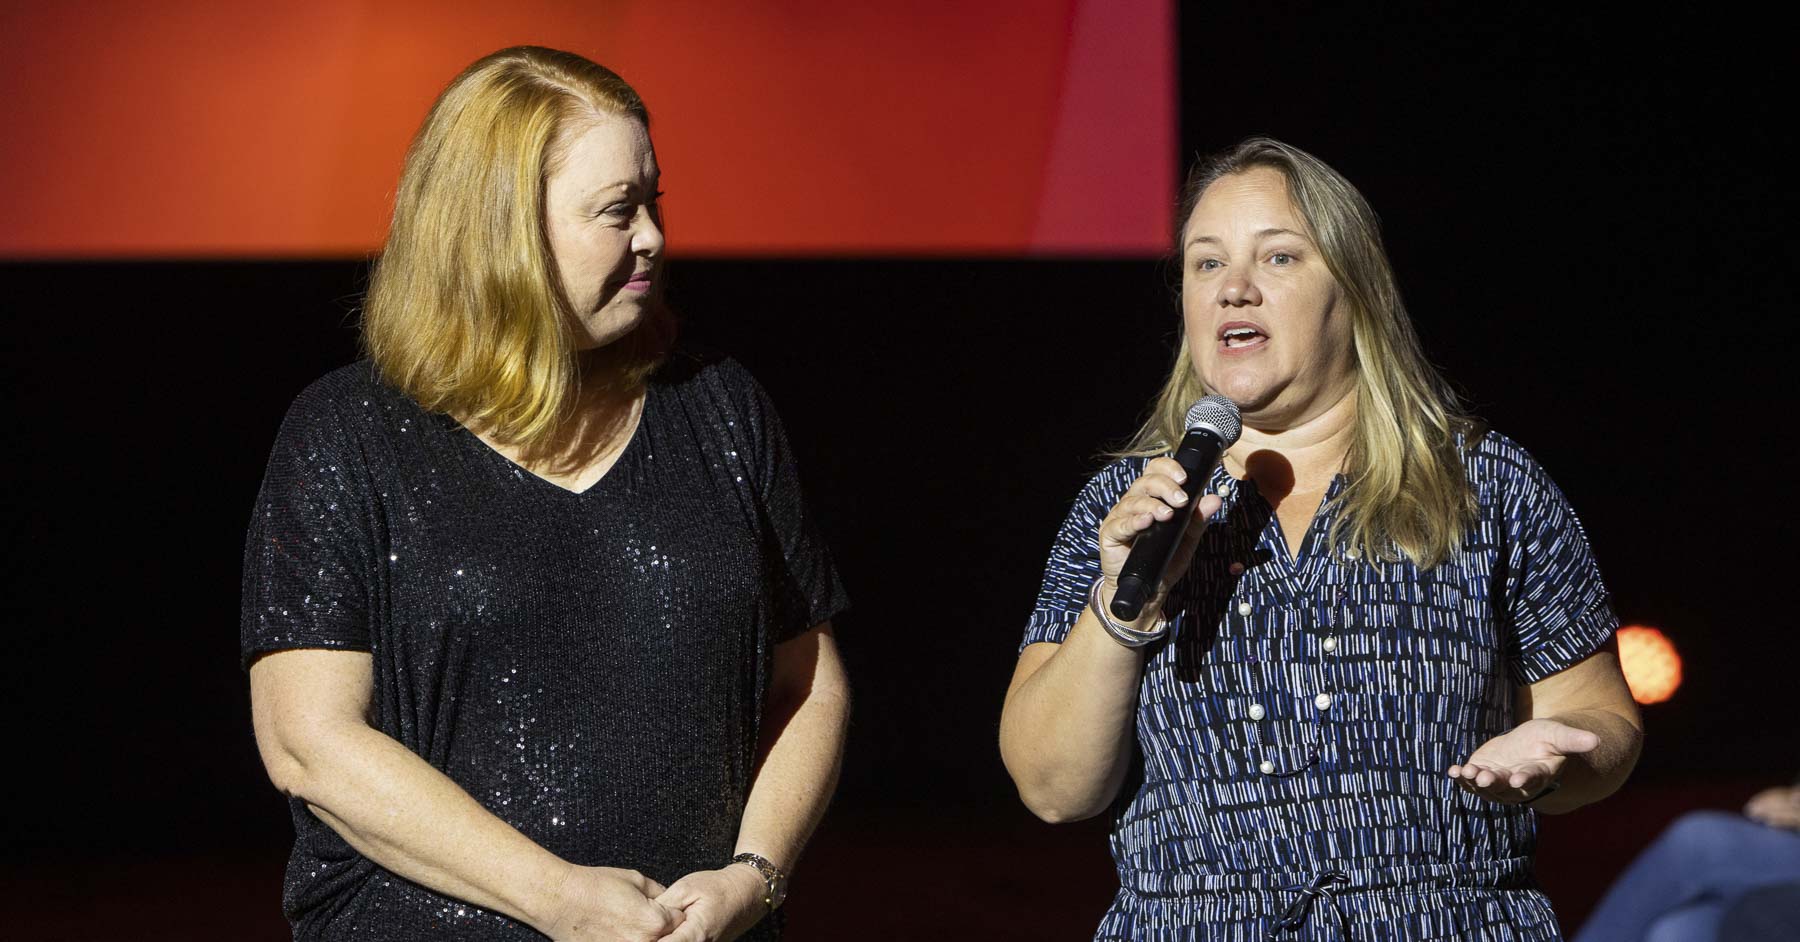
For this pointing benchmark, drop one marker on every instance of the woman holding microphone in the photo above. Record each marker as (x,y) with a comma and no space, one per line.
(1381,648)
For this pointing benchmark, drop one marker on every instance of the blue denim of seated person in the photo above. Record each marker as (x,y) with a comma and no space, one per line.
(1681,886)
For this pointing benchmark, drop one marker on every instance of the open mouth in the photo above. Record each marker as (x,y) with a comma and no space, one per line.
(1240,336)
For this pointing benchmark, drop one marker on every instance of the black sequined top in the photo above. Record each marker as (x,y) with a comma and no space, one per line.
(590,667)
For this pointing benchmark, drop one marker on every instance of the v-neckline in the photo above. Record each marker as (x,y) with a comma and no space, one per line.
(1297,567)
(631,446)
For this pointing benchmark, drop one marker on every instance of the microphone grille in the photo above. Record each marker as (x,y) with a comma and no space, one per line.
(1218,415)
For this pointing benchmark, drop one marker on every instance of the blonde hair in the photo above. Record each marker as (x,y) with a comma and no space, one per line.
(1406,494)
(465,311)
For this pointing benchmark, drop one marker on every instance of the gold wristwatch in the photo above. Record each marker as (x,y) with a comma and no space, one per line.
(773,877)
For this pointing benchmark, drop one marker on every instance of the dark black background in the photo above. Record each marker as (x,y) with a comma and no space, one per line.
(1589,217)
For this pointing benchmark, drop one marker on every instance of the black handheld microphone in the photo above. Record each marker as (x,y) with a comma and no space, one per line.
(1213,425)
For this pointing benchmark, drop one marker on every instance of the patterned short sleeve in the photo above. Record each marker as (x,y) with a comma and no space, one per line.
(1074,561)
(1556,605)
(309,550)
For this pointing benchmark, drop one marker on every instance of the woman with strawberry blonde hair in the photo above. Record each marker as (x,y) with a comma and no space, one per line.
(536,621)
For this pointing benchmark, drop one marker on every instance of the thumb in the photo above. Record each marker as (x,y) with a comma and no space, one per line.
(675,897)
(1204,508)
(1569,740)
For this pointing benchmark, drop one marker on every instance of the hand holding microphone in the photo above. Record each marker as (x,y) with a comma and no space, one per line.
(1148,535)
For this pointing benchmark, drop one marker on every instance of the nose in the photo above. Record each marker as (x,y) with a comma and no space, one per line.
(1238,290)
(646,233)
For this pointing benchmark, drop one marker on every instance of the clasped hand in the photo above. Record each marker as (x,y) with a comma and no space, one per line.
(716,905)
(605,904)
(1521,763)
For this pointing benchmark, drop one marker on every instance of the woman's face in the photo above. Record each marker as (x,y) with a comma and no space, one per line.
(604,227)
(1265,324)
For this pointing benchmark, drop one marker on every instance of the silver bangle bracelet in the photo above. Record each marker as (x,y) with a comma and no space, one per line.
(1124,634)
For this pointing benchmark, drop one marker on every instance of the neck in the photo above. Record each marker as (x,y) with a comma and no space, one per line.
(1302,457)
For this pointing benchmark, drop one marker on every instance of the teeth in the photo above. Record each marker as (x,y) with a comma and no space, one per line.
(1239,332)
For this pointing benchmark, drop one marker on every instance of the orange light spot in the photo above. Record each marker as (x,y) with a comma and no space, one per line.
(1652,666)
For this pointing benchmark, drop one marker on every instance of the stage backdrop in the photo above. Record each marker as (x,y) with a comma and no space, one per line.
(188,129)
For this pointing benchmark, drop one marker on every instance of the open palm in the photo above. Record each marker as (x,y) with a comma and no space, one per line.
(1522,762)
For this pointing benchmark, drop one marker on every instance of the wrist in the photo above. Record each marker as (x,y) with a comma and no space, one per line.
(548,898)
(1149,627)
(774,880)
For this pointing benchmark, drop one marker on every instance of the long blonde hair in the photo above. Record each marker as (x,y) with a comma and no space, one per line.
(465,311)
(1406,494)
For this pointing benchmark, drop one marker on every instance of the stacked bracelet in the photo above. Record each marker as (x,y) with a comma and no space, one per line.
(1121,632)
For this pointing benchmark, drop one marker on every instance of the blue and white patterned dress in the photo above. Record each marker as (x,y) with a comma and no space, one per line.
(1296,728)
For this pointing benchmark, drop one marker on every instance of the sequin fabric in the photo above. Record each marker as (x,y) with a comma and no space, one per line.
(589,666)
(1300,719)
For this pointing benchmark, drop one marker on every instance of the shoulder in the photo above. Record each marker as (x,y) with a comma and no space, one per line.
(1495,462)
(690,370)
(710,382)
(1513,485)
(341,393)
(340,410)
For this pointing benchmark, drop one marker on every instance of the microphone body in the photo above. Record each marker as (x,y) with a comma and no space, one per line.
(1213,426)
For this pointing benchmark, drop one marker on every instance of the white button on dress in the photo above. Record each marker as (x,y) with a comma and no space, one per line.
(1329,644)
(1256,711)
(1244,608)
(1322,701)
(1266,768)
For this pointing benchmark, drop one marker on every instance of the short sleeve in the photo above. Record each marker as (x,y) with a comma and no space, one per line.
(1074,561)
(310,549)
(807,589)
(1556,605)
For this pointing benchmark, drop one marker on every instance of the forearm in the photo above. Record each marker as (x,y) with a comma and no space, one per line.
(800,753)
(1066,732)
(1591,776)
(399,811)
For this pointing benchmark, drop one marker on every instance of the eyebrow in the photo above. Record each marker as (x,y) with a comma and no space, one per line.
(607,190)
(1261,234)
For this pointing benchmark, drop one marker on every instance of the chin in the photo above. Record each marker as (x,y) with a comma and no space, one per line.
(594,335)
(1248,390)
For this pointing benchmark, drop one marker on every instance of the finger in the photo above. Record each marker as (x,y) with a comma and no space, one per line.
(1204,508)
(1163,488)
(1534,776)
(1150,504)
(688,931)
(654,889)
(670,917)
(1167,467)
(1132,516)
(1529,781)
(1570,741)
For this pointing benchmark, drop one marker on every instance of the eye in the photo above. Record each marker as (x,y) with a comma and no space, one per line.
(1281,258)
(1209,264)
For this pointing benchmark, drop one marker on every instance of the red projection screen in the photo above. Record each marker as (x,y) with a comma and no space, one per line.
(187,129)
